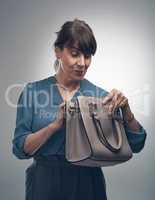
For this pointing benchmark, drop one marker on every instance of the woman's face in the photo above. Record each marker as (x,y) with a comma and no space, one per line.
(74,63)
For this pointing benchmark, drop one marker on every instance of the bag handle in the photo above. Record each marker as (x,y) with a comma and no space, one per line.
(100,132)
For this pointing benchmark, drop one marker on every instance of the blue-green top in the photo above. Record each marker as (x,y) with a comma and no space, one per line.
(37,106)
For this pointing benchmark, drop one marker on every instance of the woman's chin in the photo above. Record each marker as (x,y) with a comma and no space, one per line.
(78,78)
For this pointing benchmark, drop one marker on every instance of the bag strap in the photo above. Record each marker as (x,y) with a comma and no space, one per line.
(100,132)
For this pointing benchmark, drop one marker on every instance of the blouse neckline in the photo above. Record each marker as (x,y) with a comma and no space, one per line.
(57,91)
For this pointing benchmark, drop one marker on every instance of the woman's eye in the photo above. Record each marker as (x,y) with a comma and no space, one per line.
(74,54)
(87,56)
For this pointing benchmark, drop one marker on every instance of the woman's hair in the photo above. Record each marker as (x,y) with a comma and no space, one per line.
(78,33)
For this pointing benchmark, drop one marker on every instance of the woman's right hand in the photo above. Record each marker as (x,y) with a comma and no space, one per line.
(60,116)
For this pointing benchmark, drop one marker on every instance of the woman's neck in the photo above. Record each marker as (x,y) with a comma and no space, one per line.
(68,84)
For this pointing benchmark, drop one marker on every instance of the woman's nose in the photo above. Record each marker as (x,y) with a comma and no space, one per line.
(81,60)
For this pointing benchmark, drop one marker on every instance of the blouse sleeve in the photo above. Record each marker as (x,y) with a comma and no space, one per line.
(136,139)
(23,122)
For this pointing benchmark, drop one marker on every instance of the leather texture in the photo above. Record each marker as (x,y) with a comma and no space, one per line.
(93,138)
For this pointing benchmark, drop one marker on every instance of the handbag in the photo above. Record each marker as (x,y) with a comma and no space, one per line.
(93,137)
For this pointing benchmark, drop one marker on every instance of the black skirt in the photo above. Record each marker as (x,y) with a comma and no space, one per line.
(54,178)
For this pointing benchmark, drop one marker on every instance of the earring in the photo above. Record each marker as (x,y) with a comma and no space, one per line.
(57,64)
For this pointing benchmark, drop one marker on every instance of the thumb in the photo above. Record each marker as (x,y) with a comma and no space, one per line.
(62,104)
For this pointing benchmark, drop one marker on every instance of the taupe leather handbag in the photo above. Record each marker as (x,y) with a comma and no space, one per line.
(93,138)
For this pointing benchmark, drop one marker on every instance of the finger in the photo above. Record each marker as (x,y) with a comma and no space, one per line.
(118,98)
(58,115)
(61,114)
(110,98)
(116,95)
(113,95)
(64,108)
(61,110)
(107,98)
(114,101)
(63,104)
(118,101)
(110,108)
(124,102)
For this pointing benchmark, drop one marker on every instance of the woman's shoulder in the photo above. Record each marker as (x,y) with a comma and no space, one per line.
(92,87)
(41,84)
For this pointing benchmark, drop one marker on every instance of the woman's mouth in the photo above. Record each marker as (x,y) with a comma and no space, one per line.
(79,73)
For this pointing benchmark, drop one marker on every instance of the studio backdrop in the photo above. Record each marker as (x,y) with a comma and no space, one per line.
(124,60)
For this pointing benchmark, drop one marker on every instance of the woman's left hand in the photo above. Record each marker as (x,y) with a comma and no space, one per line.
(116,99)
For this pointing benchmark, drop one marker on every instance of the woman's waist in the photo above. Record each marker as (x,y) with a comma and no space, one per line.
(51,160)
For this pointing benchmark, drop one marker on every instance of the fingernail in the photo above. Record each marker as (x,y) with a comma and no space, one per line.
(104,101)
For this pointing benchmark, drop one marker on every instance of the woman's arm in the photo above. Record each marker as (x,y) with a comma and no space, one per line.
(25,142)
(130,122)
(136,134)
(35,140)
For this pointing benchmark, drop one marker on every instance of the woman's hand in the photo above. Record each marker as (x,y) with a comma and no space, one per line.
(116,99)
(60,116)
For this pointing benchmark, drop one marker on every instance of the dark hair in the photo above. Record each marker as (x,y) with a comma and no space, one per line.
(78,33)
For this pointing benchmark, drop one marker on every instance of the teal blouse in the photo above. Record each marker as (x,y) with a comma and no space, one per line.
(37,106)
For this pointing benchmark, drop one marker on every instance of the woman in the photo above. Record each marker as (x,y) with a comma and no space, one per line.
(40,127)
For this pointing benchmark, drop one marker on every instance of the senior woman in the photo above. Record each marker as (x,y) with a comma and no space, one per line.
(40,123)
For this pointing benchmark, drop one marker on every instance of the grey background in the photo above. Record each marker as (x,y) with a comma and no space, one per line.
(26,31)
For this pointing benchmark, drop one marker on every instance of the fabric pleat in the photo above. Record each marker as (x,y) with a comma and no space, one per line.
(56,179)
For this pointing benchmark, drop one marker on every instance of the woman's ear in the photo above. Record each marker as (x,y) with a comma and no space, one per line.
(58,52)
